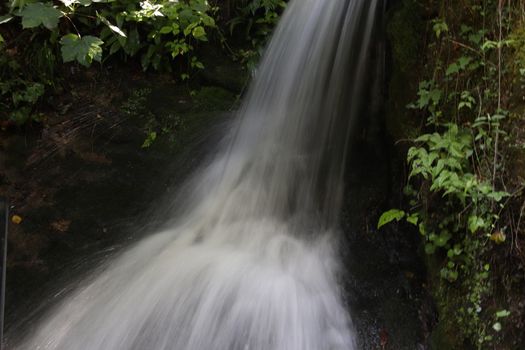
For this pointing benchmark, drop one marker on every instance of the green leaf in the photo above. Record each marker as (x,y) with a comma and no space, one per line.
(389,216)
(464,61)
(439,27)
(475,223)
(166,29)
(497,326)
(430,248)
(199,33)
(442,239)
(453,68)
(84,50)
(413,219)
(208,21)
(488,45)
(152,136)
(36,14)
(498,196)
(502,314)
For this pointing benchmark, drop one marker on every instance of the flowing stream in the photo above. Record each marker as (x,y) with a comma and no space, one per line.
(251,260)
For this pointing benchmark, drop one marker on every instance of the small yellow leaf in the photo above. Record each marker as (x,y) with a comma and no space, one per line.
(15,219)
(498,237)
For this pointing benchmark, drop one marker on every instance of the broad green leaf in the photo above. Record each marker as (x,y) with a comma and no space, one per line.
(36,14)
(166,29)
(389,216)
(498,196)
(199,33)
(84,49)
(452,69)
(413,219)
(208,21)
(475,223)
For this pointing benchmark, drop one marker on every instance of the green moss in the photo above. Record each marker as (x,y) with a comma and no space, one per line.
(213,98)
(404,29)
(444,336)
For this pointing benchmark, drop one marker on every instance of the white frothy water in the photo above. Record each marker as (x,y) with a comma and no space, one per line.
(250,263)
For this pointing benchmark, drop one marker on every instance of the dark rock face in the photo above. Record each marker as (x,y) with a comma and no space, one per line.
(84,185)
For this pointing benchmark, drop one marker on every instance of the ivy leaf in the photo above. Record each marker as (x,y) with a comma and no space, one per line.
(84,50)
(38,13)
(389,216)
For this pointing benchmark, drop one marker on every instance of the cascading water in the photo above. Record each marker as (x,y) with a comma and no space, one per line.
(250,262)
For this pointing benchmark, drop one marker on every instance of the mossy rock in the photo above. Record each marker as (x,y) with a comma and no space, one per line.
(405,36)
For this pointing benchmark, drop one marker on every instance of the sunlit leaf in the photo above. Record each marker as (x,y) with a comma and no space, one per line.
(389,216)
(113,27)
(84,49)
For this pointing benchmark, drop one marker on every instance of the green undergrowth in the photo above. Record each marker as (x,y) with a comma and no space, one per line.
(42,42)
(464,189)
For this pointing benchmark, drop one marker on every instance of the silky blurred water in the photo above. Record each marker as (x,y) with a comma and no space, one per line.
(250,262)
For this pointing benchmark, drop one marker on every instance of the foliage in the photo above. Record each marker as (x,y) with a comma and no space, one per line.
(457,195)
(156,31)
(256,19)
(84,49)
(18,94)
(163,34)
(38,36)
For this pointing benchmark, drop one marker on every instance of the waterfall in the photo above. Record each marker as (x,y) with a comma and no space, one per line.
(250,263)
